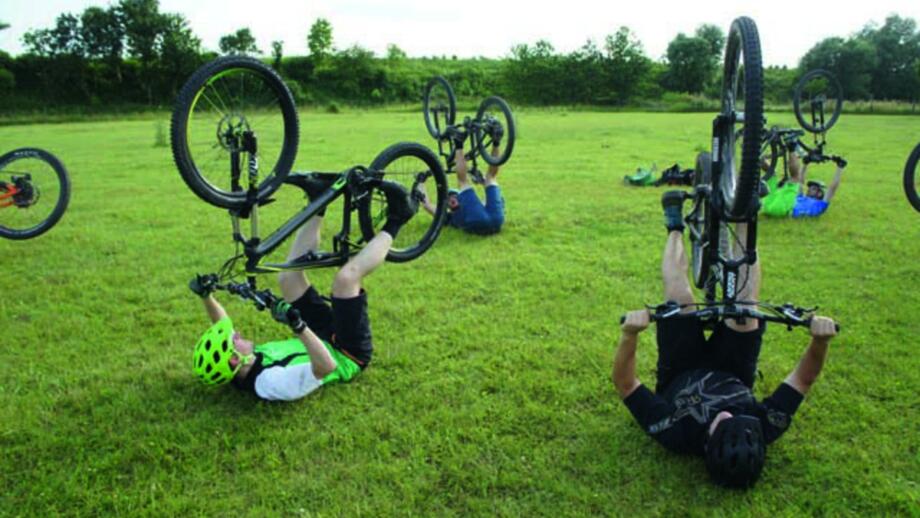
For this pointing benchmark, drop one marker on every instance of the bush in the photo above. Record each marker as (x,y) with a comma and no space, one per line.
(301,95)
(7,81)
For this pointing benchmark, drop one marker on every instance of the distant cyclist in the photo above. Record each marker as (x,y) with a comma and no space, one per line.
(797,197)
(464,208)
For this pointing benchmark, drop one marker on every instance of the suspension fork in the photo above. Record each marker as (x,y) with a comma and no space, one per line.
(250,146)
(731,268)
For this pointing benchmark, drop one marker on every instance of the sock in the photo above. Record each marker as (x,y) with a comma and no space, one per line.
(392,227)
(673,220)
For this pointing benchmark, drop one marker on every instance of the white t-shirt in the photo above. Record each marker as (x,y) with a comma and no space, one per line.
(286,383)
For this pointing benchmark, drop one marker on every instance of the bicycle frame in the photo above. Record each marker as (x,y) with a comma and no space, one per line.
(347,185)
(9,191)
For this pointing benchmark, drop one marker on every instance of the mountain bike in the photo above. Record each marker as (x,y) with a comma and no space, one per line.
(778,142)
(912,178)
(724,194)
(233,116)
(492,128)
(34,192)
(815,93)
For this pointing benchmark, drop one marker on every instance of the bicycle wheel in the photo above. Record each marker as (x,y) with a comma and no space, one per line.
(699,221)
(818,92)
(222,100)
(742,108)
(495,131)
(417,169)
(439,106)
(34,192)
(912,178)
(770,151)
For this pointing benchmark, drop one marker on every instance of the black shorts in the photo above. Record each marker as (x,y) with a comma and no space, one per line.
(682,346)
(345,324)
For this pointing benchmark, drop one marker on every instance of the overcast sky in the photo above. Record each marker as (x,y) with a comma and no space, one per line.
(788,28)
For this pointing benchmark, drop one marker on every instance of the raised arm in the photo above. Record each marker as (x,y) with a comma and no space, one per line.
(835,183)
(624,362)
(203,286)
(321,361)
(811,363)
(215,311)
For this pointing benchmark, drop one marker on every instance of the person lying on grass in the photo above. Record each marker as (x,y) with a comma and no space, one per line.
(464,209)
(330,344)
(703,402)
(789,198)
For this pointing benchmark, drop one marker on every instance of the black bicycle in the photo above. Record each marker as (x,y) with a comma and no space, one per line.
(817,103)
(725,193)
(912,178)
(779,142)
(234,115)
(34,192)
(491,130)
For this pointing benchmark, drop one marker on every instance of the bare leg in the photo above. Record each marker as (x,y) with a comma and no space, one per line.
(347,283)
(748,280)
(463,178)
(674,270)
(294,283)
(493,169)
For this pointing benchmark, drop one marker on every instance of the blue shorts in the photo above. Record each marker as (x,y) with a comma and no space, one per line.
(475,218)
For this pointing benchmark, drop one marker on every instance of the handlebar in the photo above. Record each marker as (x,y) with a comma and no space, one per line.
(262,299)
(786,314)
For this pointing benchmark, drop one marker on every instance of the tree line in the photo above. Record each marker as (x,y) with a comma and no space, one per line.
(131,53)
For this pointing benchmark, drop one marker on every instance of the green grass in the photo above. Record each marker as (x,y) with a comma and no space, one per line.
(489,393)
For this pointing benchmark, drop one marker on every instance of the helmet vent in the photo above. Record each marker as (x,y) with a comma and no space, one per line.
(207,345)
(216,356)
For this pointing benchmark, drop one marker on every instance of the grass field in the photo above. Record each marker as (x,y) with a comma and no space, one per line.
(490,391)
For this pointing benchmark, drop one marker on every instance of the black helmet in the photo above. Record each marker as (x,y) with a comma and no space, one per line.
(820,185)
(735,452)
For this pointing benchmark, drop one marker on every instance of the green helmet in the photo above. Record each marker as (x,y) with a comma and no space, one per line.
(211,358)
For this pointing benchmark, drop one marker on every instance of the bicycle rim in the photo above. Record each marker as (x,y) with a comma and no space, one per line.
(495,131)
(33,195)
(218,104)
(818,101)
(418,171)
(698,221)
(912,178)
(742,103)
(439,106)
